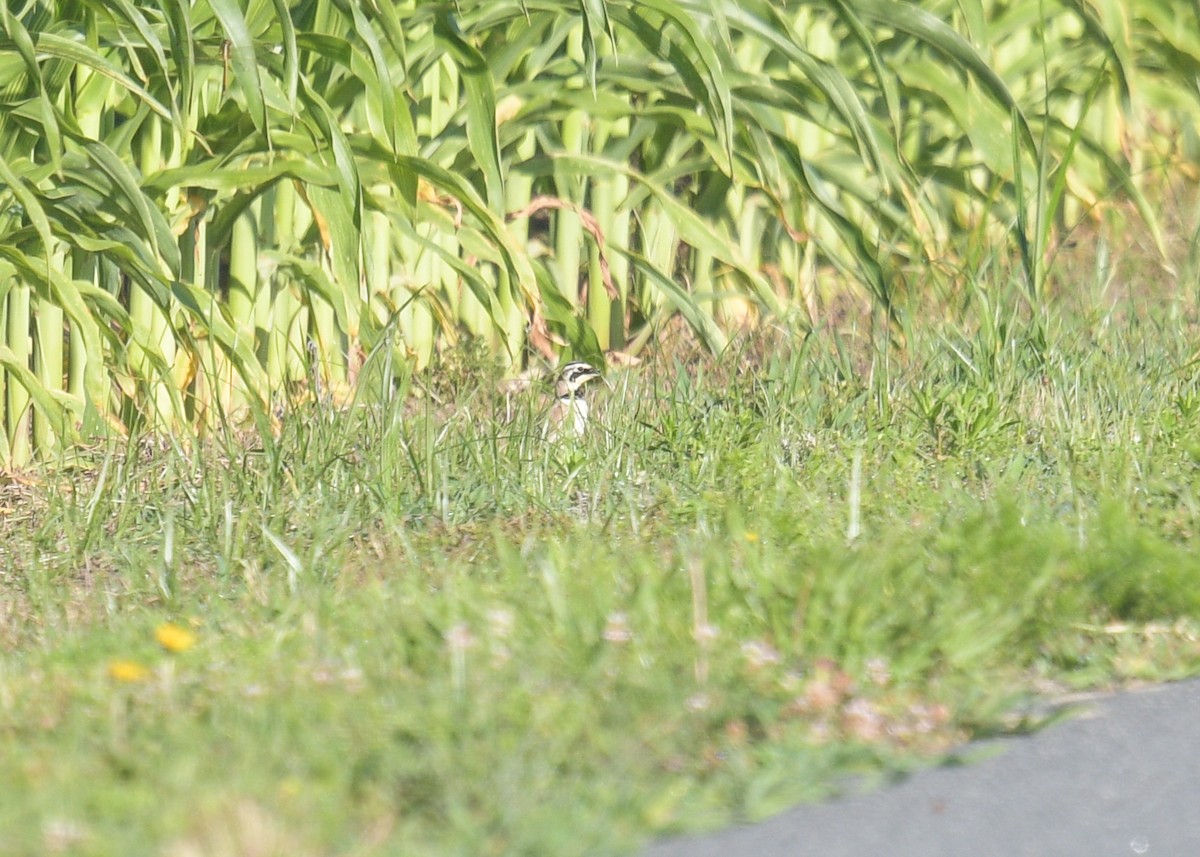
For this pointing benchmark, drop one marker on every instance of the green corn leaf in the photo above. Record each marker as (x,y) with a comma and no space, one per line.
(483,289)
(1109,25)
(209,316)
(768,26)
(291,54)
(183,52)
(71,296)
(313,276)
(29,202)
(692,228)
(47,115)
(344,161)
(515,257)
(381,88)
(249,174)
(686,305)
(702,70)
(345,252)
(595,23)
(60,409)
(912,19)
(68,50)
(243,60)
(154,226)
(124,11)
(561,312)
(480,107)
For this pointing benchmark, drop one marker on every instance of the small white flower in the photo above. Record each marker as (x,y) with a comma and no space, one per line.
(617,630)
(759,654)
(706,633)
(62,834)
(862,720)
(878,672)
(501,622)
(459,638)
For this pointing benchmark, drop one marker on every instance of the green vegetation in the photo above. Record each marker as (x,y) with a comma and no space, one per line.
(208,209)
(898,302)
(414,627)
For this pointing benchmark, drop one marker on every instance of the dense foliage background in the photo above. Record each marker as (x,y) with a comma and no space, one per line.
(209,207)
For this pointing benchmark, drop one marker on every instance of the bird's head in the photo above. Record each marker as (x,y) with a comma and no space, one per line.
(573,378)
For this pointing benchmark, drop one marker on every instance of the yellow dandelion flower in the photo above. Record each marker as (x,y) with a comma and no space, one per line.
(174,638)
(127,671)
(751,536)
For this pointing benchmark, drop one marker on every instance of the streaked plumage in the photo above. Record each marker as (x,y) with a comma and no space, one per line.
(569,414)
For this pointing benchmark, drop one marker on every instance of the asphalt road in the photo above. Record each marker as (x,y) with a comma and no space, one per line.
(1121,777)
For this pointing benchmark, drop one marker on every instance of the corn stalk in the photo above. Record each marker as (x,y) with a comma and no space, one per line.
(218,207)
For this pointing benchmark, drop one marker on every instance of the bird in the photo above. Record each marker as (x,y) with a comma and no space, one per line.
(568,415)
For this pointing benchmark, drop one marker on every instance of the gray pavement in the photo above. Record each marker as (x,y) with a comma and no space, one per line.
(1121,777)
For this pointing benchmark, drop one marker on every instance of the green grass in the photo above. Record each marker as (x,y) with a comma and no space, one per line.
(417,630)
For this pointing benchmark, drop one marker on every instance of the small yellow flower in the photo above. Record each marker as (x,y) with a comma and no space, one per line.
(174,638)
(127,671)
(751,536)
